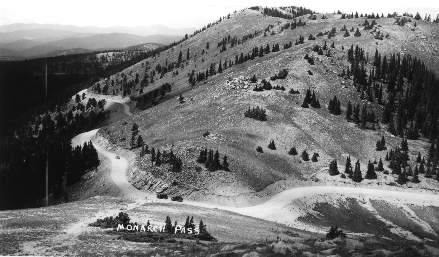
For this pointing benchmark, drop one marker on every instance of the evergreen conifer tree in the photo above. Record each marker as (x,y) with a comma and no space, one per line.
(158,160)
(225,164)
(415,178)
(168,225)
(402,177)
(357,177)
(421,168)
(271,145)
(140,141)
(216,161)
(304,104)
(370,174)
(348,166)
(333,169)
(380,165)
(152,155)
(292,151)
(305,156)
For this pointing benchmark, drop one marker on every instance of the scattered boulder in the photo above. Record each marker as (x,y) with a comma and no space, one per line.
(240,82)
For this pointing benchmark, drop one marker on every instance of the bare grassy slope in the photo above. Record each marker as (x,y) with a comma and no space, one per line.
(212,106)
(62,229)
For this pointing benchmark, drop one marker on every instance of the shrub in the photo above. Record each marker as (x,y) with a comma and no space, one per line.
(293,92)
(316,49)
(267,85)
(281,75)
(109,222)
(259,149)
(334,232)
(256,113)
(292,151)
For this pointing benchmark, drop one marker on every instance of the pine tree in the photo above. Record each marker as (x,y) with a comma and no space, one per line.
(209,163)
(271,145)
(152,155)
(415,178)
(192,224)
(348,166)
(158,160)
(305,104)
(168,225)
(186,224)
(314,157)
(180,57)
(357,177)
(292,151)
(380,165)
(428,172)
(140,141)
(391,127)
(409,171)
(134,132)
(216,161)
(421,168)
(305,156)
(204,235)
(225,164)
(402,177)
(370,174)
(333,169)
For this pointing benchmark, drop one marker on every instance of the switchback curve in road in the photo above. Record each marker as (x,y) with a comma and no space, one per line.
(269,210)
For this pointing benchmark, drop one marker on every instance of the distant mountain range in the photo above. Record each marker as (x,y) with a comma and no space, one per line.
(36,40)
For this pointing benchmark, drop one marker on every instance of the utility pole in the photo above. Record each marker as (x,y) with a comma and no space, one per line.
(47,149)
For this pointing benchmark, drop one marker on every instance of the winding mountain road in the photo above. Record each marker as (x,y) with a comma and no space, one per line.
(279,208)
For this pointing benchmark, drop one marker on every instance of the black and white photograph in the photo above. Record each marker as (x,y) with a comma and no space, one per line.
(219,128)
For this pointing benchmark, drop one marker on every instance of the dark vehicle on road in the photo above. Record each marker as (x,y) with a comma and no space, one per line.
(117,157)
(162,196)
(177,198)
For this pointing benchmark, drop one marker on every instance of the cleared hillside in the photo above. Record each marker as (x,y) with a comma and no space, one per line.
(213,105)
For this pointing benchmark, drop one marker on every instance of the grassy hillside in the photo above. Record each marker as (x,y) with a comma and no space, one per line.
(214,105)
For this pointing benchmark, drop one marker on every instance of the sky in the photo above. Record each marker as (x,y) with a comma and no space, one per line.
(176,14)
